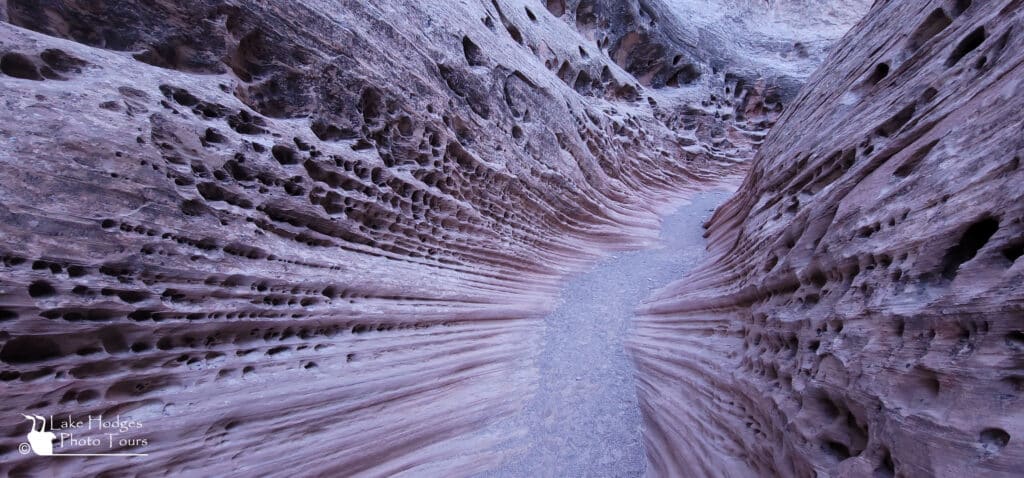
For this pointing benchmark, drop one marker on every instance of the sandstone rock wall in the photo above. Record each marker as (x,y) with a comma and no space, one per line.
(864,313)
(314,236)
(683,42)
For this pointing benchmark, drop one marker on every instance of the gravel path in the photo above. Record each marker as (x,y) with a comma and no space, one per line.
(584,419)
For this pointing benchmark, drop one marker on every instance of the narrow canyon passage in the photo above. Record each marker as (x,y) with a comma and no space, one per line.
(583,419)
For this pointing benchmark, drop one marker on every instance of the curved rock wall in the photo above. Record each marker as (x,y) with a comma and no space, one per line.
(863,313)
(315,236)
(683,42)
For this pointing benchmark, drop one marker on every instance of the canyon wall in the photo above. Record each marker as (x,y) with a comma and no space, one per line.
(862,314)
(314,237)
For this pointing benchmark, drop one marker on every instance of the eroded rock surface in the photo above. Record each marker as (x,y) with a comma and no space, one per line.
(863,316)
(316,237)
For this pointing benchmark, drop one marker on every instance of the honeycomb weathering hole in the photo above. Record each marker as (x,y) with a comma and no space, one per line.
(19,66)
(972,240)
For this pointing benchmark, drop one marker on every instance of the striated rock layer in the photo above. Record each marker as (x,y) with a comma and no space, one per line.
(862,314)
(314,237)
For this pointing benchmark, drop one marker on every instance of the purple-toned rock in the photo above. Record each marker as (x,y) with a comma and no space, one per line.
(862,314)
(314,238)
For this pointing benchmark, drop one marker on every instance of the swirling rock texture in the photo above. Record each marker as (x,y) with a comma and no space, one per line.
(862,315)
(314,237)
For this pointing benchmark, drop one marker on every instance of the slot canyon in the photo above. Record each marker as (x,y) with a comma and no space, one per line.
(512,238)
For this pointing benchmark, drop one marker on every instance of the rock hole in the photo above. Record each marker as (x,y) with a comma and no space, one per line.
(329,132)
(1015,340)
(685,76)
(61,61)
(880,72)
(911,163)
(19,66)
(133,296)
(40,288)
(886,469)
(583,83)
(530,14)
(185,98)
(973,239)
(836,450)
(556,7)
(1013,384)
(961,6)
(897,121)
(113,341)
(972,41)
(285,154)
(828,408)
(1012,253)
(277,350)
(370,105)
(29,349)
(474,56)
(993,439)
(932,25)
(929,94)
(212,136)
(405,126)
(165,343)
(193,207)
(931,385)
(514,32)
